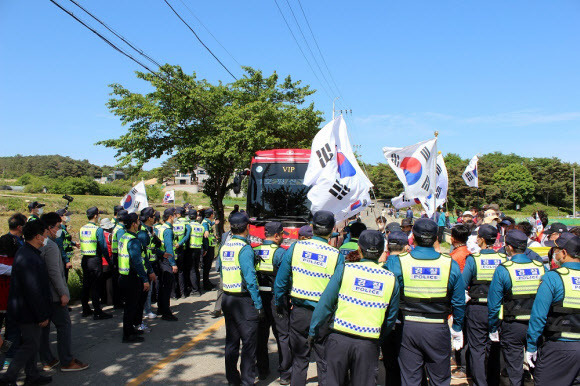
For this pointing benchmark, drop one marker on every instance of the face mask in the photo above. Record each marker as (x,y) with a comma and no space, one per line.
(40,211)
(58,233)
(45,241)
(67,219)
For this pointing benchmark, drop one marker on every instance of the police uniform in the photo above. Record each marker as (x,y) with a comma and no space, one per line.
(514,286)
(431,289)
(242,305)
(34,205)
(364,298)
(268,259)
(166,279)
(306,269)
(181,235)
(146,236)
(116,234)
(484,358)
(208,248)
(556,312)
(195,246)
(93,248)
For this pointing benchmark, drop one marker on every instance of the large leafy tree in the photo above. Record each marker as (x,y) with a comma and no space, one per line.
(218,126)
(516,183)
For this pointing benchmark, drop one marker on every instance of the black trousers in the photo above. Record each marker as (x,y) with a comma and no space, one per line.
(440,233)
(92,272)
(428,346)
(346,354)
(131,287)
(513,343)
(281,330)
(484,358)
(166,280)
(191,270)
(179,285)
(207,262)
(25,356)
(390,346)
(241,319)
(117,292)
(558,363)
(300,318)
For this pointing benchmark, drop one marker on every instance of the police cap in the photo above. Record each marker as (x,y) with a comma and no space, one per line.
(517,239)
(239,219)
(92,212)
(371,241)
(393,227)
(35,204)
(323,218)
(179,210)
(117,209)
(556,227)
(305,231)
(168,212)
(121,215)
(487,232)
(192,213)
(63,212)
(398,238)
(147,213)
(570,243)
(208,212)
(407,222)
(273,228)
(425,229)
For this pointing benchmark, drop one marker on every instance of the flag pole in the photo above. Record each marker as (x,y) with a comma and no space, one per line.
(435,198)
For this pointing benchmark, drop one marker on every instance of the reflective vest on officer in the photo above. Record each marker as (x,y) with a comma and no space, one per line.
(313,263)
(151,246)
(211,237)
(564,316)
(32,218)
(265,265)
(525,279)
(115,240)
(162,230)
(88,237)
(156,229)
(485,265)
(196,238)
(229,255)
(425,293)
(347,248)
(179,228)
(67,244)
(124,257)
(363,299)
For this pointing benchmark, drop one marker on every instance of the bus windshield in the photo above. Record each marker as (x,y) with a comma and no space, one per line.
(275,191)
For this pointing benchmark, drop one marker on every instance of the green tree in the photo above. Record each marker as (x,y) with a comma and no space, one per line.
(385,181)
(515,183)
(218,126)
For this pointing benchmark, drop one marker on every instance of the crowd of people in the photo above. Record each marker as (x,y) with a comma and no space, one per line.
(388,294)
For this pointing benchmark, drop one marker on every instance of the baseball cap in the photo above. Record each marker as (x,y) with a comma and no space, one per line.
(63,212)
(239,219)
(489,216)
(517,239)
(398,237)
(208,212)
(425,229)
(305,231)
(179,210)
(371,241)
(35,204)
(106,223)
(273,228)
(505,222)
(569,242)
(168,212)
(407,222)
(487,232)
(192,213)
(92,211)
(467,213)
(393,227)
(323,218)
(147,213)
(556,227)
(121,215)
(117,209)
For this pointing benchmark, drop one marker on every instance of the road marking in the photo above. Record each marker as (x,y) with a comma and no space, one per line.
(176,354)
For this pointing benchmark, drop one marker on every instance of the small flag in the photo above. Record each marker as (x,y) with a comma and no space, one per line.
(169,197)
(136,199)
(470,173)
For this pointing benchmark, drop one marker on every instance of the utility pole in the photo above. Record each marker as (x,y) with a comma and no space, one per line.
(333,106)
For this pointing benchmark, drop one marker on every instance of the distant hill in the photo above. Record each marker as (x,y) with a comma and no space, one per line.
(52,166)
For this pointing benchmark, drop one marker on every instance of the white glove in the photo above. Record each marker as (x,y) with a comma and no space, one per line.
(456,339)
(467,297)
(494,336)
(531,358)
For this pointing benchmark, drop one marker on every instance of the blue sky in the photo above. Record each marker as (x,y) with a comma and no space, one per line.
(488,75)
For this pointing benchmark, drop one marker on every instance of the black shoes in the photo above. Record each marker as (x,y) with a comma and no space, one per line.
(40,380)
(102,316)
(216,314)
(133,339)
(87,313)
(169,318)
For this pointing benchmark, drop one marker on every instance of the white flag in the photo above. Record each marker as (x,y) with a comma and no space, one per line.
(169,197)
(136,199)
(338,183)
(470,173)
(442,182)
(415,166)
(401,201)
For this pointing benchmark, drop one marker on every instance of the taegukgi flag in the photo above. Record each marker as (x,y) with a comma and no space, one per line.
(136,199)
(338,183)
(428,203)
(401,201)
(415,166)
(470,173)
(169,197)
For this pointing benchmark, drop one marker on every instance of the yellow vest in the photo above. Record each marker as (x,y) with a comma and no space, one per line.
(162,229)
(211,237)
(426,282)
(313,263)
(124,257)
(179,228)
(564,316)
(115,240)
(88,237)
(525,279)
(196,238)
(485,265)
(364,296)
(229,255)
(265,265)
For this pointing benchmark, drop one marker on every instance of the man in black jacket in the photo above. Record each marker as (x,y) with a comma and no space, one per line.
(29,304)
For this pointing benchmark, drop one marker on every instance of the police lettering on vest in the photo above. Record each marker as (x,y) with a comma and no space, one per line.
(265,265)
(88,237)
(196,238)
(124,257)
(349,247)
(564,316)
(229,254)
(313,263)
(525,279)
(179,228)
(485,265)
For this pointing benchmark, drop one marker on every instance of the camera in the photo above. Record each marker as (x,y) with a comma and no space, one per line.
(68,198)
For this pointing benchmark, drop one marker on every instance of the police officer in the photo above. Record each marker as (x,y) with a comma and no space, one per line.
(181,234)
(431,288)
(514,284)
(64,241)
(364,298)
(241,304)
(35,208)
(195,246)
(352,245)
(133,279)
(306,268)
(556,312)
(209,242)
(147,239)
(93,249)
(396,243)
(268,259)
(484,359)
(167,266)
(116,234)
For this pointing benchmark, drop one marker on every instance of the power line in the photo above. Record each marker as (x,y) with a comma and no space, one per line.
(116,48)
(198,38)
